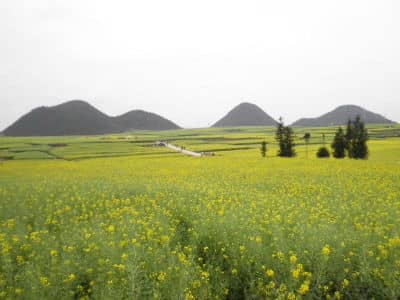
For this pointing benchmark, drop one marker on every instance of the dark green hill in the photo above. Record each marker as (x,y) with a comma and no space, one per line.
(80,118)
(139,119)
(246,114)
(341,115)
(71,118)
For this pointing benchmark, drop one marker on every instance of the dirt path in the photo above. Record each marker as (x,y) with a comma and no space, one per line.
(179,149)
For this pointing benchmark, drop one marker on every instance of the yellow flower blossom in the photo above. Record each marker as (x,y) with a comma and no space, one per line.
(71,277)
(162,276)
(345,283)
(44,281)
(304,288)
(326,250)
(293,259)
(270,273)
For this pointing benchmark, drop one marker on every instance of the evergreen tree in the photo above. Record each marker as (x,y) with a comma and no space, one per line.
(348,138)
(263,148)
(279,135)
(285,139)
(339,144)
(307,137)
(289,142)
(356,139)
(360,138)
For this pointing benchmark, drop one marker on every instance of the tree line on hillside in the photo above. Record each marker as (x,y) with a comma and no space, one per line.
(352,142)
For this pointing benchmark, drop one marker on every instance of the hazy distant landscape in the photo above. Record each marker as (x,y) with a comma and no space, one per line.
(78,117)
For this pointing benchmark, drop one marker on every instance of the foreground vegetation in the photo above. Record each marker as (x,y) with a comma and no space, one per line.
(158,225)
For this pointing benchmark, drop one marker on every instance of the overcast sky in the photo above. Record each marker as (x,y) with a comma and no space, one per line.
(192,61)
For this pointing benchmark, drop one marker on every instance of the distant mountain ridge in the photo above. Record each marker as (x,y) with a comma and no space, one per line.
(245,114)
(78,117)
(340,116)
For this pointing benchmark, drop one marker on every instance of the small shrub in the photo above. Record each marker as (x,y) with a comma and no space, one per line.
(323,152)
(6,157)
(263,148)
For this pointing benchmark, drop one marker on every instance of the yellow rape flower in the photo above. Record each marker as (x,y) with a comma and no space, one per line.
(71,277)
(270,273)
(293,259)
(326,250)
(162,276)
(111,229)
(44,281)
(345,283)
(304,288)
(296,274)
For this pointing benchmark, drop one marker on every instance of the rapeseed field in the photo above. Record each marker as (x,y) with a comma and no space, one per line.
(234,226)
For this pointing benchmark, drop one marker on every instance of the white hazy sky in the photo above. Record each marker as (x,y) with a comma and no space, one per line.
(192,61)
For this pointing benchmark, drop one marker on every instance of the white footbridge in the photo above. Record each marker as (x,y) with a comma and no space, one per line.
(180,149)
